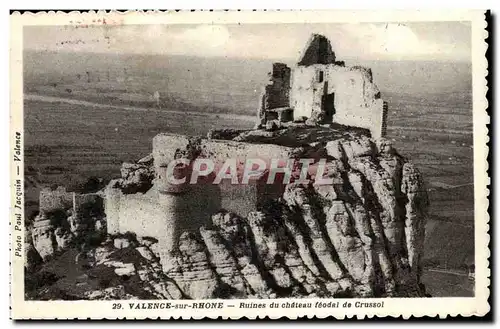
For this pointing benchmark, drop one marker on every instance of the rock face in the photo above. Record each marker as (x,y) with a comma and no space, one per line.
(137,176)
(43,238)
(55,231)
(32,257)
(360,236)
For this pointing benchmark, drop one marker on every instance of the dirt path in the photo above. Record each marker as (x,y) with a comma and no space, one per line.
(52,99)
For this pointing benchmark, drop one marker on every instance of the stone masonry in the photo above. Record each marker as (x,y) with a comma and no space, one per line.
(322,90)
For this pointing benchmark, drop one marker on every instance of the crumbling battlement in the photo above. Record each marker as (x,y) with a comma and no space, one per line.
(166,146)
(165,211)
(163,216)
(278,89)
(63,217)
(51,200)
(276,94)
(324,91)
(239,199)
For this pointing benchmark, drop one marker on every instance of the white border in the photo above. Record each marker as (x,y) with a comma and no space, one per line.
(395,307)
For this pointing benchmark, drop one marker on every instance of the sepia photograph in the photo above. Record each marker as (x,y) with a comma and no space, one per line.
(248,161)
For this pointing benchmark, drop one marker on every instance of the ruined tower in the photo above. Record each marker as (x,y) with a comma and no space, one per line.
(321,90)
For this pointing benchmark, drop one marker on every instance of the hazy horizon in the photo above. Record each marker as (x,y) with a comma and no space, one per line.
(233,84)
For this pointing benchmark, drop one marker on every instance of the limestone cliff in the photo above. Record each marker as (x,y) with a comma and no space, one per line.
(360,236)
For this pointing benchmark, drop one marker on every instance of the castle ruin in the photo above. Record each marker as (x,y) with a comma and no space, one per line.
(321,90)
(166,211)
(310,108)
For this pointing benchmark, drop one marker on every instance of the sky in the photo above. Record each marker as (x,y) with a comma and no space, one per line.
(448,41)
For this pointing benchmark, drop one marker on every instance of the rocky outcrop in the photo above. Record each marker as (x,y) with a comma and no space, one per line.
(112,293)
(223,133)
(191,270)
(32,257)
(57,230)
(360,236)
(132,264)
(43,237)
(136,177)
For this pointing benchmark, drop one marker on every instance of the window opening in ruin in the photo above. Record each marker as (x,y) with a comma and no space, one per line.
(321,76)
(328,106)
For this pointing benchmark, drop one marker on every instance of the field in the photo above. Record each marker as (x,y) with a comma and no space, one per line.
(80,124)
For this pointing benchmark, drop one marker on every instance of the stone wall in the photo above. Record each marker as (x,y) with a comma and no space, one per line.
(239,199)
(185,212)
(302,90)
(278,90)
(164,216)
(356,99)
(148,214)
(58,199)
(165,147)
(112,209)
(373,119)
(276,93)
(82,205)
(138,213)
(190,206)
